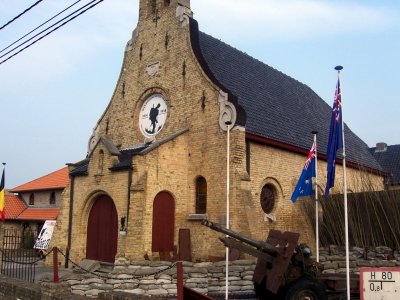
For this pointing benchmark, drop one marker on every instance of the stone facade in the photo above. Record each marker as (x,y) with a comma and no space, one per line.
(159,59)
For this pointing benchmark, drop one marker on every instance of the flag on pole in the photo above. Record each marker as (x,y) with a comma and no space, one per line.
(335,141)
(2,197)
(304,185)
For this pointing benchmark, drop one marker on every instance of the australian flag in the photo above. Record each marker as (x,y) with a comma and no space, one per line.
(304,186)
(335,141)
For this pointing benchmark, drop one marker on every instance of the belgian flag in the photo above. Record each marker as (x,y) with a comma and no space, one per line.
(2,196)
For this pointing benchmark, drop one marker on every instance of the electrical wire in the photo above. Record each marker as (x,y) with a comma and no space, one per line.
(26,10)
(45,35)
(44,30)
(39,26)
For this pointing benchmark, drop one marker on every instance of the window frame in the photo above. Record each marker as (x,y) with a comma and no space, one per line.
(201,195)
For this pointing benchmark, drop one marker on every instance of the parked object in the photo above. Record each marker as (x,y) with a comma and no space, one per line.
(285,269)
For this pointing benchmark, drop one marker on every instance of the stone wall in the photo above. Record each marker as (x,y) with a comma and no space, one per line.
(158,279)
(12,288)
(333,258)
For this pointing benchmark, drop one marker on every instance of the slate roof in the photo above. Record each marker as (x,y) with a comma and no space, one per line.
(390,162)
(56,180)
(277,106)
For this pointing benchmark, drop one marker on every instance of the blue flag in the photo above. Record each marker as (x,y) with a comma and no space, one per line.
(304,185)
(335,141)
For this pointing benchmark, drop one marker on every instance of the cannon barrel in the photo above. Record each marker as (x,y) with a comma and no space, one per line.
(260,245)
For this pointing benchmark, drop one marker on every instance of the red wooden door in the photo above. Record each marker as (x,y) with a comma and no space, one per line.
(102,230)
(163,222)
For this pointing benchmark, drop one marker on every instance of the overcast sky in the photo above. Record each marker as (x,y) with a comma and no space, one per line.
(53,93)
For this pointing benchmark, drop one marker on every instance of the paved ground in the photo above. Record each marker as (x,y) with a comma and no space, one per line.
(42,272)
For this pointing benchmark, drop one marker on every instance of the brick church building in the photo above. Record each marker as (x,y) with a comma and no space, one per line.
(157,159)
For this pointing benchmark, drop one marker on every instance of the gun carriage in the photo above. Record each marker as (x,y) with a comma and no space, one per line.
(285,269)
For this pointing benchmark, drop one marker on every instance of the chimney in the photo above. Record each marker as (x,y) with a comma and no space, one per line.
(185,3)
(381,147)
(150,6)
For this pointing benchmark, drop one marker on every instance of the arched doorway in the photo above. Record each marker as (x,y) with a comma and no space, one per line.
(163,223)
(102,230)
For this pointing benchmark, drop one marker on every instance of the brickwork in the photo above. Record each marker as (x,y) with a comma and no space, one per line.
(42,198)
(159,59)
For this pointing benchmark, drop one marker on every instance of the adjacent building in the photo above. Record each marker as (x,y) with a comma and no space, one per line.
(389,158)
(31,204)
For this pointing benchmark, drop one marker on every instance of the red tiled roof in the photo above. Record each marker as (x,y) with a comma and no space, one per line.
(39,214)
(13,206)
(56,180)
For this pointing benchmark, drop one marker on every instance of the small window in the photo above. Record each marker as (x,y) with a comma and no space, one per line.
(248,159)
(32,199)
(267,198)
(52,200)
(167,2)
(153,6)
(101,162)
(201,195)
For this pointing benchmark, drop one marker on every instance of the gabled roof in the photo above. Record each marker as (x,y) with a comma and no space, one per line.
(277,107)
(125,155)
(13,206)
(39,214)
(389,159)
(55,180)
(16,209)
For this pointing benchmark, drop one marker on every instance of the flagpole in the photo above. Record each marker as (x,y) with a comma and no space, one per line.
(228,124)
(3,192)
(316,198)
(346,219)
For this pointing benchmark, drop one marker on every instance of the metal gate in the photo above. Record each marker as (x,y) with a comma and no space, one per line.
(18,258)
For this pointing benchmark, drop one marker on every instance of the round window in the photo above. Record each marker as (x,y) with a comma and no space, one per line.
(267,198)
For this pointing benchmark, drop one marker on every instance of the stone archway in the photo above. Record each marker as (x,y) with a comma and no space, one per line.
(102,230)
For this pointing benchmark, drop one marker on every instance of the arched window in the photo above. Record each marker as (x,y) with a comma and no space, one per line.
(32,199)
(52,200)
(101,162)
(267,198)
(201,195)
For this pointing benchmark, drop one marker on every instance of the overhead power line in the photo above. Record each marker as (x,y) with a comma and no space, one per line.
(33,30)
(54,29)
(26,10)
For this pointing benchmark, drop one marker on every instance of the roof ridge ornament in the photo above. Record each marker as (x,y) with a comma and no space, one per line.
(227,111)
(183,12)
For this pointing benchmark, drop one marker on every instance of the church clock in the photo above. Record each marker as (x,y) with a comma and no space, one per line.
(153,115)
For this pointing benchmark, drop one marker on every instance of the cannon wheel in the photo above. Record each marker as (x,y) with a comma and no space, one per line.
(304,288)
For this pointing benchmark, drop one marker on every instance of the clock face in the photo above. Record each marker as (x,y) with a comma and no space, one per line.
(153,115)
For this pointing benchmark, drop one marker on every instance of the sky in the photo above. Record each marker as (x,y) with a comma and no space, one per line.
(53,93)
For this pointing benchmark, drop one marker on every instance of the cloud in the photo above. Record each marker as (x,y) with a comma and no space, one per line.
(288,19)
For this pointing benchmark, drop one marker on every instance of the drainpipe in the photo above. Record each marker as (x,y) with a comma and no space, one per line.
(129,197)
(71,210)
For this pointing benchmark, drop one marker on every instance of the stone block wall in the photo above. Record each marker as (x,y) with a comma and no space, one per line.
(158,279)
(333,258)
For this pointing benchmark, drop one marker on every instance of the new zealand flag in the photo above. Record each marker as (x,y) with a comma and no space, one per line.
(335,141)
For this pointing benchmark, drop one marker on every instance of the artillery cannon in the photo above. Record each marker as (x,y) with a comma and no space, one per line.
(284,269)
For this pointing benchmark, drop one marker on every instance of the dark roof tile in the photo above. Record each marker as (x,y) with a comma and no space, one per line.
(277,106)
(390,162)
